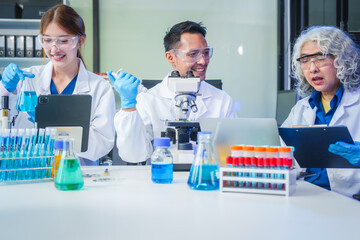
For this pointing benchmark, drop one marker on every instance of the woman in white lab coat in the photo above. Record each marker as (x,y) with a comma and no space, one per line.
(62,33)
(326,65)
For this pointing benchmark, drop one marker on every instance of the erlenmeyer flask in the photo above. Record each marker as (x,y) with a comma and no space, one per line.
(27,98)
(69,175)
(204,172)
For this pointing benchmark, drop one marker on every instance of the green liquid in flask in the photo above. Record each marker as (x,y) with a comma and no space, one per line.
(69,175)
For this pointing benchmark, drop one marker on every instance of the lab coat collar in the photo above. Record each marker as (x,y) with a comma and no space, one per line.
(348,99)
(309,113)
(82,83)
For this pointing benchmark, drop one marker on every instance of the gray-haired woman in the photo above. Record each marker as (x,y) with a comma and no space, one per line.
(326,65)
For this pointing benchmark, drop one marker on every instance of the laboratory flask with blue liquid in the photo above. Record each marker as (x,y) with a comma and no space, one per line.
(204,172)
(69,175)
(27,99)
(162,166)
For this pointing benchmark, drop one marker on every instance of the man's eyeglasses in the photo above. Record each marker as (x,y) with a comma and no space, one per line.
(63,43)
(193,55)
(319,59)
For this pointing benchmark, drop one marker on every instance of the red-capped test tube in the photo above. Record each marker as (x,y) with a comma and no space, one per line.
(236,165)
(229,163)
(272,155)
(248,154)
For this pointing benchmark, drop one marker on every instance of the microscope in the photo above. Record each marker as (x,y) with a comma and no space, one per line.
(182,131)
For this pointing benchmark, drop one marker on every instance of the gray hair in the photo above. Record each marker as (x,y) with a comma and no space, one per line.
(330,40)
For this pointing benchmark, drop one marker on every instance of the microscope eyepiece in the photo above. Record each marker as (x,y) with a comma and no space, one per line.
(175,74)
(189,74)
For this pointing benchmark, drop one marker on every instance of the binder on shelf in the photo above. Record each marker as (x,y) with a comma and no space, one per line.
(20,52)
(38,48)
(10,46)
(29,46)
(2,46)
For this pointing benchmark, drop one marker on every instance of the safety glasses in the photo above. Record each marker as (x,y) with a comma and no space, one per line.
(319,59)
(193,55)
(63,43)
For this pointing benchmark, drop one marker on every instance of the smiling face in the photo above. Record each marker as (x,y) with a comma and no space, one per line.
(322,76)
(188,42)
(59,53)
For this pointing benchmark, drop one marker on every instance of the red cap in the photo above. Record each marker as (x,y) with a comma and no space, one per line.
(241,160)
(229,160)
(247,161)
(236,161)
(260,162)
(279,161)
(254,161)
(272,161)
(266,162)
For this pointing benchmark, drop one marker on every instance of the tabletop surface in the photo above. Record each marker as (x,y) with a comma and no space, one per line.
(131,206)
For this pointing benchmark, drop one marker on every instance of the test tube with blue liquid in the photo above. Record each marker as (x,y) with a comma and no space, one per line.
(41,162)
(266,175)
(229,164)
(11,175)
(26,150)
(248,152)
(5,153)
(19,160)
(32,153)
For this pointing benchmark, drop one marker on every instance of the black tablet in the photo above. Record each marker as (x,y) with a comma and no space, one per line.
(312,143)
(64,111)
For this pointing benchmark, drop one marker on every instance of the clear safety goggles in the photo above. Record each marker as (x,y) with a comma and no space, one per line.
(193,55)
(63,43)
(319,59)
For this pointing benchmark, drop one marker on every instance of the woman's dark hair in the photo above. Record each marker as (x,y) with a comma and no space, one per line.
(69,20)
(172,37)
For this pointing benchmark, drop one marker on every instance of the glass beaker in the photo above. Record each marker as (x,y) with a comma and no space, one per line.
(27,98)
(69,175)
(204,172)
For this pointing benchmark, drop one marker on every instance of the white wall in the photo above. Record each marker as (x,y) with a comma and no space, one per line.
(132,32)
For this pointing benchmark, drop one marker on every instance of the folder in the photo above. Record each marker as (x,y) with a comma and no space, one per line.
(38,48)
(29,46)
(2,46)
(20,52)
(10,46)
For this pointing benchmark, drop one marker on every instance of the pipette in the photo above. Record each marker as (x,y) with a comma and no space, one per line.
(140,88)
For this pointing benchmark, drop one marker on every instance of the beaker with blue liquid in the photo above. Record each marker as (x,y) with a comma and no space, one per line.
(204,172)
(27,99)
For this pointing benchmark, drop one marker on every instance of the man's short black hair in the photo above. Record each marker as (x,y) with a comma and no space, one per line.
(172,37)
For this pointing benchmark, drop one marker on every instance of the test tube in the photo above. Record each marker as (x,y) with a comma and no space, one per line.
(248,154)
(271,154)
(229,161)
(41,161)
(235,165)
(241,174)
(266,175)
(26,150)
(260,154)
(11,175)
(4,154)
(19,142)
(260,175)
(32,153)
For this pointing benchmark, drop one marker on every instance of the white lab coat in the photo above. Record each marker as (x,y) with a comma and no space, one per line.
(101,132)
(135,130)
(344,181)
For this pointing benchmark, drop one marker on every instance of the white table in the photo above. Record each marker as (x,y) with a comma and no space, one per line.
(132,207)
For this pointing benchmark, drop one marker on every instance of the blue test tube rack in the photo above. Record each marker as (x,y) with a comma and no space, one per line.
(289,180)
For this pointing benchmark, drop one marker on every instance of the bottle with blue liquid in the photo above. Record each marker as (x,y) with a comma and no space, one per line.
(162,166)
(204,172)
(27,99)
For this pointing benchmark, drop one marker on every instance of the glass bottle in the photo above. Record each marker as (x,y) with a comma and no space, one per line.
(204,172)
(69,175)
(162,161)
(27,99)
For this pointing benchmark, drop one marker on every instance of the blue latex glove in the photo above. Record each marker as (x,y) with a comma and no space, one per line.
(31,116)
(349,151)
(12,75)
(126,85)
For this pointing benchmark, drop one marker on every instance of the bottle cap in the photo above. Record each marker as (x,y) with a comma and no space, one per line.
(162,142)
(229,160)
(248,148)
(284,149)
(236,147)
(58,144)
(254,161)
(236,161)
(4,102)
(260,149)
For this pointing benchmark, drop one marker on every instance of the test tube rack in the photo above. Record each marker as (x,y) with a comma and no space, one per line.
(26,169)
(231,175)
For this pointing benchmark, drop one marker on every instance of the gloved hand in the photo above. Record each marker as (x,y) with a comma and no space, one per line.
(349,151)
(31,117)
(12,75)
(126,85)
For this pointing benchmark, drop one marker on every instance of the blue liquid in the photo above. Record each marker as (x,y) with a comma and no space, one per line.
(26,101)
(162,173)
(204,177)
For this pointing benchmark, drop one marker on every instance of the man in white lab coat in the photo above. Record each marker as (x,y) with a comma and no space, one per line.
(142,117)
(326,65)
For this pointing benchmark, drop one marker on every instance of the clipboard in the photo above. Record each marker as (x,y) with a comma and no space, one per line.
(312,143)
(65,111)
